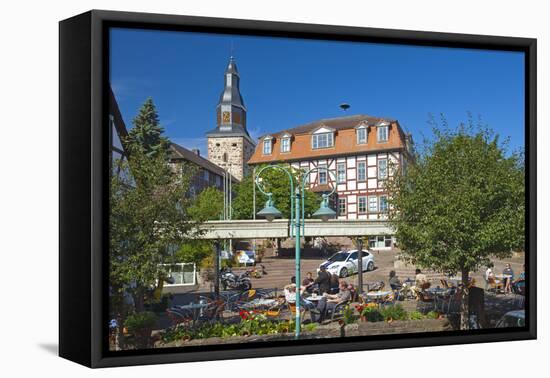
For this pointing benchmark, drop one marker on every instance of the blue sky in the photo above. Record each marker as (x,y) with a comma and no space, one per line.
(288,82)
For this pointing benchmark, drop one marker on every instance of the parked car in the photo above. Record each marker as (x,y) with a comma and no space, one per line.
(246,257)
(344,263)
(512,319)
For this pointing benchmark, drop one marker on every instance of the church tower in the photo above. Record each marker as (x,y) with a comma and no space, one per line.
(229,144)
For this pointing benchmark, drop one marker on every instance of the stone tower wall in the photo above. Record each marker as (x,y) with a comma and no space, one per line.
(237,149)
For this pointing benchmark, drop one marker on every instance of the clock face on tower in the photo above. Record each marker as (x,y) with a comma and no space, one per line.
(226,116)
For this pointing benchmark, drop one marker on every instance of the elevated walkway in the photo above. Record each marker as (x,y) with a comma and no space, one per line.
(280,228)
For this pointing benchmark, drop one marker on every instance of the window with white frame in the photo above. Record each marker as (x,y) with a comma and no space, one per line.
(383,203)
(323,140)
(373,204)
(267,146)
(323,173)
(380,241)
(342,206)
(382,133)
(361,170)
(382,169)
(183,274)
(341,172)
(285,144)
(362,135)
(362,204)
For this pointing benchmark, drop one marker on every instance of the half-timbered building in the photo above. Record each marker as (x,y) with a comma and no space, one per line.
(360,151)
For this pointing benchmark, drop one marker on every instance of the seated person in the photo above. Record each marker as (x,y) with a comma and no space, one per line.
(490,277)
(420,282)
(290,296)
(395,283)
(420,278)
(308,282)
(327,304)
(519,283)
(290,293)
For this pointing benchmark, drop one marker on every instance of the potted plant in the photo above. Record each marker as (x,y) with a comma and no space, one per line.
(140,325)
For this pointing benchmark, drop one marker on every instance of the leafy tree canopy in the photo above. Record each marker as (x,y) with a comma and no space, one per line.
(148,216)
(195,251)
(208,205)
(460,203)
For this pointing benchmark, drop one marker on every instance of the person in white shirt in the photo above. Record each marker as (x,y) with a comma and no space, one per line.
(290,296)
(489,276)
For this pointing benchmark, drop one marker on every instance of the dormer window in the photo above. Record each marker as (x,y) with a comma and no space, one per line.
(322,138)
(285,143)
(382,132)
(268,146)
(361,132)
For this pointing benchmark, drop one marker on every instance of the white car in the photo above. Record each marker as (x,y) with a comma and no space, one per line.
(344,263)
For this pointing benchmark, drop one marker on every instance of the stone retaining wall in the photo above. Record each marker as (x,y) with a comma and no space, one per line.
(330,331)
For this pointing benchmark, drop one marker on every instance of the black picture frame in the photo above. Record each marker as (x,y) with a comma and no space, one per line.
(83,166)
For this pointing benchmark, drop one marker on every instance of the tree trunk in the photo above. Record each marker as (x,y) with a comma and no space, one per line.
(120,342)
(139,299)
(464,305)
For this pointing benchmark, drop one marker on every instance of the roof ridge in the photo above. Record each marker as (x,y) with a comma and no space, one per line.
(181,150)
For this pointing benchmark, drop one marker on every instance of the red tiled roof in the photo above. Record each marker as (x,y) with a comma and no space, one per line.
(345,140)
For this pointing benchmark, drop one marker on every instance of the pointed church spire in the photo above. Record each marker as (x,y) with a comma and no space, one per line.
(229,144)
(231,94)
(231,111)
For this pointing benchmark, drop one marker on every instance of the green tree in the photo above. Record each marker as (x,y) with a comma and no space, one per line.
(195,251)
(147,131)
(276,182)
(208,205)
(148,216)
(461,203)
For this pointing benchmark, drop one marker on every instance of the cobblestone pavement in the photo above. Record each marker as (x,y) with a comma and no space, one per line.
(281,269)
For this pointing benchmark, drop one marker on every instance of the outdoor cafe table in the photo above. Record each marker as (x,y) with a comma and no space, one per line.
(195,309)
(314,298)
(438,293)
(258,303)
(377,296)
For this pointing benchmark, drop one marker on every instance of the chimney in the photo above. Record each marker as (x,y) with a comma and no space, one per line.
(196,151)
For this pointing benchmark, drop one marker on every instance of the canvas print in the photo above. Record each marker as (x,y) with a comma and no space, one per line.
(267,190)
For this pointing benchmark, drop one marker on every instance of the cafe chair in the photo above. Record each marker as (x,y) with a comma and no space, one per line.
(425,302)
(292,308)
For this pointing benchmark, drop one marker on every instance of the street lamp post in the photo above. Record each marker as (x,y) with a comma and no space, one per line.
(217,267)
(297,218)
(360,266)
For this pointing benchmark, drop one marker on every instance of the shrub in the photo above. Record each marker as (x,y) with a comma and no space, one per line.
(395,312)
(415,315)
(310,327)
(140,325)
(348,316)
(140,321)
(432,315)
(372,314)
